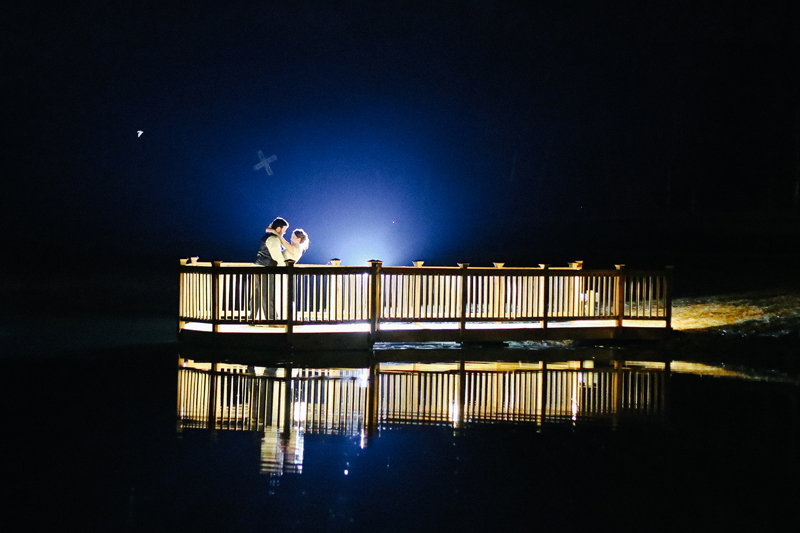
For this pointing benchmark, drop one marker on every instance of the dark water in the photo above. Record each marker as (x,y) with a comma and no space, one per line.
(95,444)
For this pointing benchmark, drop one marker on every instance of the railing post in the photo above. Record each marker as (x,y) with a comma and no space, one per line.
(543,394)
(181,295)
(374,297)
(211,422)
(499,300)
(665,392)
(215,314)
(620,310)
(463,318)
(371,421)
(288,404)
(417,287)
(332,293)
(577,288)
(546,292)
(668,295)
(463,383)
(618,390)
(289,300)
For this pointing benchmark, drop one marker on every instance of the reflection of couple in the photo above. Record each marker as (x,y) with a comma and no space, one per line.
(275,250)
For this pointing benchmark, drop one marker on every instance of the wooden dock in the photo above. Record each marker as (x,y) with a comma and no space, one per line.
(314,307)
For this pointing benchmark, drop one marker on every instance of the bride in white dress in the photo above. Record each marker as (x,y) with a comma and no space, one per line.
(296,247)
(294,250)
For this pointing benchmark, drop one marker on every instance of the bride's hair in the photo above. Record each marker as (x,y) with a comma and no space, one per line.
(302,236)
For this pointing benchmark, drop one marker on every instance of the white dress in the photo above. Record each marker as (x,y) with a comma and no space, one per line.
(294,256)
(287,255)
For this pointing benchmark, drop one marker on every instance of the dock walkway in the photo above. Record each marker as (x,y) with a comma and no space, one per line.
(330,306)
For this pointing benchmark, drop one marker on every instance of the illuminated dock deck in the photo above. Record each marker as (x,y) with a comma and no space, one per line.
(341,307)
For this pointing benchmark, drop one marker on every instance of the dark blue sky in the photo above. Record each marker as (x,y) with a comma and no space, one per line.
(442,131)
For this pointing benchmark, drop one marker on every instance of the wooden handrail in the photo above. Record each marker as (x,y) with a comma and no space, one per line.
(225,293)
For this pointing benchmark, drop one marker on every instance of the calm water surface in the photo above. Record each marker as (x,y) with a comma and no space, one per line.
(128,440)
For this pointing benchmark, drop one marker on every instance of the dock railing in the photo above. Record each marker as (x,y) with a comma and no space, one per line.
(219,293)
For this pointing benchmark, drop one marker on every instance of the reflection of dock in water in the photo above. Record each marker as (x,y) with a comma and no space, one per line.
(522,392)
(284,404)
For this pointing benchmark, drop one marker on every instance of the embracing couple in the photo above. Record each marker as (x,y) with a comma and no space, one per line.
(275,250)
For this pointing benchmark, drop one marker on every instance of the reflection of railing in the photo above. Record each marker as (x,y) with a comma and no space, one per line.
(284,404)
(232,398)
(527,394)
(226,293)
(338,401)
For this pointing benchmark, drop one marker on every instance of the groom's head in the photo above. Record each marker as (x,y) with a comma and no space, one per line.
(279,225)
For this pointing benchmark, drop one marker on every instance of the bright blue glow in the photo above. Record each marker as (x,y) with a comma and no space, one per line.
(395,182)
(364,189)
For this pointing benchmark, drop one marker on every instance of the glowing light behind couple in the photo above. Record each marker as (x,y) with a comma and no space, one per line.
(367,189)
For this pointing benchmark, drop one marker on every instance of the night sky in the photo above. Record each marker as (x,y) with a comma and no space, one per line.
(447,131)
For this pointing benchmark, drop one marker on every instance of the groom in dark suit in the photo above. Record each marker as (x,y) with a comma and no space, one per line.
(270,253)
